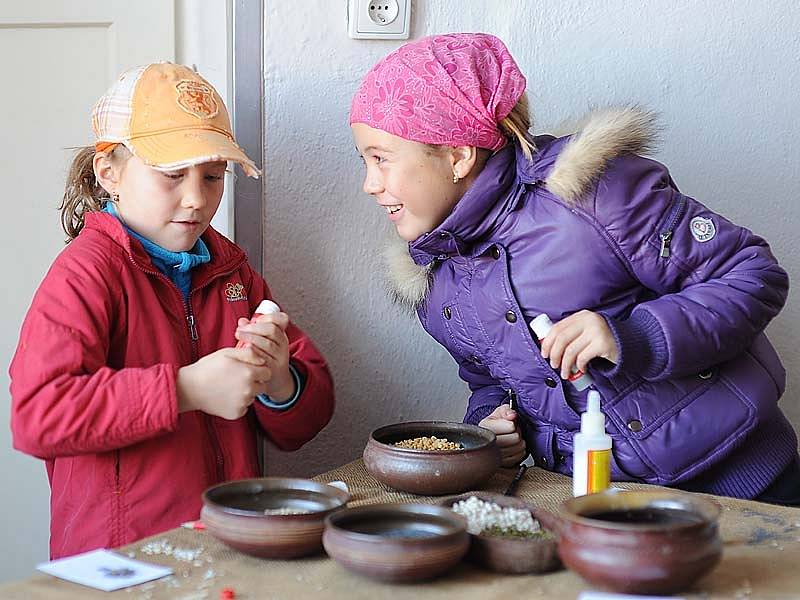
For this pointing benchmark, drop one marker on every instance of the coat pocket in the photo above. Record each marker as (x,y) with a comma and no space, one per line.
(669,431)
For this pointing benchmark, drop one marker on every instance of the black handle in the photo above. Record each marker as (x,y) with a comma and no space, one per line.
(512,487)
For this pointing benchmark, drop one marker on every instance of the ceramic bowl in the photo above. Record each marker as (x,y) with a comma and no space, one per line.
(511,555)
(432,472)
(234,513)
(396,542)
(639,542)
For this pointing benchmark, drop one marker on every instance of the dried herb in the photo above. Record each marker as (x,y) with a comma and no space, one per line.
(511,532)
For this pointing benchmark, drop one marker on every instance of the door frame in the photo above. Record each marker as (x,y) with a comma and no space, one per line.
(247,87)
(247,93)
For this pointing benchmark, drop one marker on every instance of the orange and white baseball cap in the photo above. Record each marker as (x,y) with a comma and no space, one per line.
(168,116)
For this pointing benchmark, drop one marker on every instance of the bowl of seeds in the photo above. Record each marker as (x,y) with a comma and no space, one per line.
(271,517)
(505,534)
(432,458)
(396,542)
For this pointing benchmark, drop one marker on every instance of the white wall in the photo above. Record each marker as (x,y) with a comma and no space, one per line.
(724,76)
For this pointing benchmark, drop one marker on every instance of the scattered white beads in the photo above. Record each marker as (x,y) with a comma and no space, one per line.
(164,547)
(482,515)
(285,511)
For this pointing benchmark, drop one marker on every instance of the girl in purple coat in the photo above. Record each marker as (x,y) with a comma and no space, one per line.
(661,300)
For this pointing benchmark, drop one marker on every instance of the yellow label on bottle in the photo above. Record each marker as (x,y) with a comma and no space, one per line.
(598,471)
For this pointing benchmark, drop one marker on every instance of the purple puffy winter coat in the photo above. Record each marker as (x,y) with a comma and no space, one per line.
(588,224)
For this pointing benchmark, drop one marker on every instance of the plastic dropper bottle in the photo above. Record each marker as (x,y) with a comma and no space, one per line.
(591,462)
(541,326)
(267,307)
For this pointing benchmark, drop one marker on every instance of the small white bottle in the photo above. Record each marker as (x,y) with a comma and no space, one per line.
(267,307)
(591,461)
(541,326)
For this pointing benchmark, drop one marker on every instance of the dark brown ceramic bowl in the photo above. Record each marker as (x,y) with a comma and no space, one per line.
(234,513)
(396,542)
(639,542)
(432,472)
(510,555)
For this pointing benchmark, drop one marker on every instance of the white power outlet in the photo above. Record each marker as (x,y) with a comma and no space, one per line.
(379,19)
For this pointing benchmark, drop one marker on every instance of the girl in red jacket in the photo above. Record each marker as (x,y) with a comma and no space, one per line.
(126,379)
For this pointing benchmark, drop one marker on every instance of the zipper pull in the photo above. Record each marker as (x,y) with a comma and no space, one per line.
(666,237)
(192,328)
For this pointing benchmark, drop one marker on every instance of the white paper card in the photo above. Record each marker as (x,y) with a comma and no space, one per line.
(609,596)
(103,570)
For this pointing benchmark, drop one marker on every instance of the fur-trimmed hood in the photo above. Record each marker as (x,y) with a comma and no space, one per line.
(594,140)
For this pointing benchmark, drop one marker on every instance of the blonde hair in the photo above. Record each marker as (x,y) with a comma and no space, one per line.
(83,193)
(517,124)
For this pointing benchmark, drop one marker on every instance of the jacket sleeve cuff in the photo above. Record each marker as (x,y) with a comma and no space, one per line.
(479,414)
(642,346)
(299,384)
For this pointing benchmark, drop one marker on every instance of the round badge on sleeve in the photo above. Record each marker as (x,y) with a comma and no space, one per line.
(702,229)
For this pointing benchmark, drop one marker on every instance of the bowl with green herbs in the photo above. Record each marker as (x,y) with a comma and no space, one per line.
(506,535)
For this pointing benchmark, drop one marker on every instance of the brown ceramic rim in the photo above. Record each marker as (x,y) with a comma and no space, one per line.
(457,523)
(708,510)
(428,426)
(283,483)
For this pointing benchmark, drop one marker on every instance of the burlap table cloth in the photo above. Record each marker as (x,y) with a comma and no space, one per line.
(761,559)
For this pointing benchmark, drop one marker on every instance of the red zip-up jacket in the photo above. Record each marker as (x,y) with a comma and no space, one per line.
(93,387)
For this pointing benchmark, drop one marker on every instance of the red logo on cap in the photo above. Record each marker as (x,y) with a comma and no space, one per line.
(197,99)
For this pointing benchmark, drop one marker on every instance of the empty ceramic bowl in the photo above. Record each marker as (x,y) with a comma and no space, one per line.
(271,517)
(639,542)
(512,555)
(432,472)
(396,542)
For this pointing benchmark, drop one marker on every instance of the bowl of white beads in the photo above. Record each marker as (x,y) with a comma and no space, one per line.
(505,534)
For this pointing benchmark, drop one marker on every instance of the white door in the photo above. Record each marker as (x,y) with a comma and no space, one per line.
(56,58)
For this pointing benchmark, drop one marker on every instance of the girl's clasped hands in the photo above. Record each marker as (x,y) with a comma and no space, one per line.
(226,382)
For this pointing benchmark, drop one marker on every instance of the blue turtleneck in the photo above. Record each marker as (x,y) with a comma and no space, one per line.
(175,265)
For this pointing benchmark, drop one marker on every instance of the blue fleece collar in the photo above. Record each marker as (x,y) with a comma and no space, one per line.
(181,261)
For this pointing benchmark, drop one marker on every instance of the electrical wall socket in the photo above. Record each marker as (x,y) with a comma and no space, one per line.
(379,19)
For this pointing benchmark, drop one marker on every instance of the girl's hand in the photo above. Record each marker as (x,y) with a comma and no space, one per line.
(509,440)
(267,336)
(223,383)
(577,339)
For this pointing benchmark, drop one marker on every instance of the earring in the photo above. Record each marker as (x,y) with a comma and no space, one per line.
(456,178)
(114,197)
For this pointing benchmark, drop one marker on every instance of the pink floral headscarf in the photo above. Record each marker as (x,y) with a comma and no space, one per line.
(448,89)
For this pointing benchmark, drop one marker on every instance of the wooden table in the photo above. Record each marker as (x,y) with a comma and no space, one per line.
(761,559)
